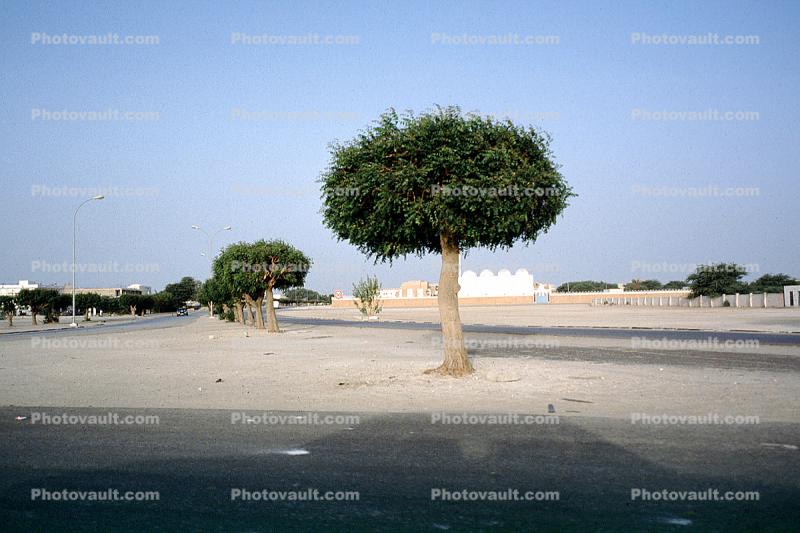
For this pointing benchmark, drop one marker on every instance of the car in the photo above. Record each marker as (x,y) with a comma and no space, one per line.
(182,311)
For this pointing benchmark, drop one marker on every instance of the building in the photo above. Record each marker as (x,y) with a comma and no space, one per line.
(791,296)
(485,288)
(112,292)
(143,288)
(13,290)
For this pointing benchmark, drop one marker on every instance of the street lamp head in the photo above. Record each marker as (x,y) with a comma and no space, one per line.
(227,228)
(195,226)
(98,197)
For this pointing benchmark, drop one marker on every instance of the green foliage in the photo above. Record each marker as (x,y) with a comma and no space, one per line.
(41,301)
(184,290)
(8,308)
(407,180)
(585,286)
(717,279)
(165,302)
(366,295)
(675,285)
(84,301)
(253,268)
(305,296)
(772,283)
(108,304)
(643,285)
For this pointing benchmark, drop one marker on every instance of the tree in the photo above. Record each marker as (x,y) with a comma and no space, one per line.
(305,296)
(675,285)
(85,301)
(165,302)
(184,290)
(8,307)
(643,285)
(366,296)
(254,271)
(585,286)
(37,300)
(772,283)
(716,279)
(443,183)
(131,302)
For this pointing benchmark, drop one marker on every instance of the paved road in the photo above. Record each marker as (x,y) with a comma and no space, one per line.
(623,333)
(193,458)
(158,322)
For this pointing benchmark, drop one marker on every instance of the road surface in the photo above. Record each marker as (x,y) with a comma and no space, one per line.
(194,459)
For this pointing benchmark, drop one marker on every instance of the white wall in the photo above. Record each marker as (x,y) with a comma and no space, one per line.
(503,284)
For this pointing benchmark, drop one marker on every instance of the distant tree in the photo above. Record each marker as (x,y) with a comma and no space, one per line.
(717,279)
(108,304)
(85,301)
(442,183)
(675,285)
(643,285)
(772,283)
(306,296)
(184,290)
(8,307)
(132,302)
(57,305)
(37,300)
(366,296)
(585,286)
(165,302)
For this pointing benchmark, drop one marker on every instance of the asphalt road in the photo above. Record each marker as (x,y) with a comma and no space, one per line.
(621,333)
(194,458)
(157,322)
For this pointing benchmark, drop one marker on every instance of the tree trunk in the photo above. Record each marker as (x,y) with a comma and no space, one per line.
(239,310)
(260,313)
(33,317)
(210,308)
(10,316)
(272,318)
(133,310)
(456,362)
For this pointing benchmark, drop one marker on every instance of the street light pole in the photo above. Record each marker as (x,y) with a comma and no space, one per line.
(74,238)
(210,250)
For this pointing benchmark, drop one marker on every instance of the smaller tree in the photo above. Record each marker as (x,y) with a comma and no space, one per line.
(8,307)
(675,285)
(717,279)
(366,296)
(37,300)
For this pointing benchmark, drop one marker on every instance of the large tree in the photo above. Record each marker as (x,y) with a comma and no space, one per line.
(443,183)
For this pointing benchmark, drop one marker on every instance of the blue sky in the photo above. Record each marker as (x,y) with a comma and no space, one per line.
(199,164)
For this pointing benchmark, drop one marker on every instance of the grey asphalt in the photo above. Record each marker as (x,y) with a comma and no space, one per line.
(193,458)
(620,333)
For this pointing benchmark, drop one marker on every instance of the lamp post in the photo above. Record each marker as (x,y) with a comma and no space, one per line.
(210,250)
(74,238)
(210,237)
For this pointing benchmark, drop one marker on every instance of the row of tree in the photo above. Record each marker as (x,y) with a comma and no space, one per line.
(707,280)
(245,275)
(51,303)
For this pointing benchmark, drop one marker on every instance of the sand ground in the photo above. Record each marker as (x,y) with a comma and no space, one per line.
(328,368)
